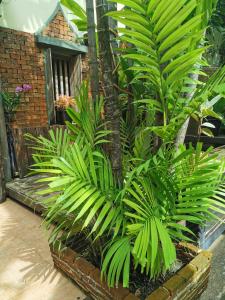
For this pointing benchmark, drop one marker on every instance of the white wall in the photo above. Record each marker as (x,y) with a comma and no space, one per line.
(28,15)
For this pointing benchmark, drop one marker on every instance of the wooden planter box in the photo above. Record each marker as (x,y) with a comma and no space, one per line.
(187,284)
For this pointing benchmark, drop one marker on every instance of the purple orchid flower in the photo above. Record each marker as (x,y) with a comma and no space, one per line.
(19,89)
(26,87)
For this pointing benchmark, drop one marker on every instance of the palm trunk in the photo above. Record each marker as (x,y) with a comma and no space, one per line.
(112,110)
(92,49)
(112,27)
(182,132)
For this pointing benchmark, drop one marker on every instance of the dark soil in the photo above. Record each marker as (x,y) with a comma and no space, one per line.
(140,284)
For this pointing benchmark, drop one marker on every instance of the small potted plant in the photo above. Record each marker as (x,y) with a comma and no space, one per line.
(61,105)
(11,101)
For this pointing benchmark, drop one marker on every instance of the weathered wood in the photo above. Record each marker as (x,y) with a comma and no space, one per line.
(61,45)
(23,151)
(49,86)
(186,284)
(2,179)
(217,141)
(4,144)
(75,74)
(25,191)
(92,49)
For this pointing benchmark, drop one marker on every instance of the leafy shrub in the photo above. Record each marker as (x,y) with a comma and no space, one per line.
(141,218)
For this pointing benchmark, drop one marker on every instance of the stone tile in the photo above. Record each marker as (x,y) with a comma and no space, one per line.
(26,267)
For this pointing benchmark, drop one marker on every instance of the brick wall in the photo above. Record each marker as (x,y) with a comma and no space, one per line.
(21,61)
(59,28)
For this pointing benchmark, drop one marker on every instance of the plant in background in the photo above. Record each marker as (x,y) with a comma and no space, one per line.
(216,39)
(11,101)
(61,105)
(64,102)
(136,221)
(81,18)
(215,36)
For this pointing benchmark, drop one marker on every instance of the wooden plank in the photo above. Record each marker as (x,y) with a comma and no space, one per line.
(23,150)
(2,179)
(56,81)
(66,78)
(4,144)
(25,191)
(20,151)
(62,92)
(61,44)
(75,74)
(49,86)
(216,141)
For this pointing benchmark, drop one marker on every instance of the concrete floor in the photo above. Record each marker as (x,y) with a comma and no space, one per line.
(216,287)
(26,267)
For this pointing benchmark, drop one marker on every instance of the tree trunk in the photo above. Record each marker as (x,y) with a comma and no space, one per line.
(183,130)
(92,50)
(112,110)
(112,28)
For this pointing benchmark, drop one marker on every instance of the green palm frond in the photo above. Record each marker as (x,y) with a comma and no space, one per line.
(165,190)
(87,120)
(164,37)
(46,148)
(78,12)
(86,186)
(167,46)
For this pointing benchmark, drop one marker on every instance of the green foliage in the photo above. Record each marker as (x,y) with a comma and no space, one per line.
(78,12)
(140,218)
(215,35)
(10,101)
(136,225)
(87,121)
(54,146)
(166,47)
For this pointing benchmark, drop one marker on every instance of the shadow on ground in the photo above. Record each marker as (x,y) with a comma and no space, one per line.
(26,268)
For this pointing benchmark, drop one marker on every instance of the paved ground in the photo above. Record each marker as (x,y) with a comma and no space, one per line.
(26,268)
(216,287)
(27,271)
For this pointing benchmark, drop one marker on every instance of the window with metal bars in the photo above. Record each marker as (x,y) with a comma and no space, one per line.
(61,76)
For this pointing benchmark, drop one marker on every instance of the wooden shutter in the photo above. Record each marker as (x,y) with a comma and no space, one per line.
(75,74)
(4,145)
(49,86)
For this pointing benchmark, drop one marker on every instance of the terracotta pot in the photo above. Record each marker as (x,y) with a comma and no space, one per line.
(187,284)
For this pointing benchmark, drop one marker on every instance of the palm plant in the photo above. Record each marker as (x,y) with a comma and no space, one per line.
(80,14)
(136,222)
(166,49)
(141,217)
